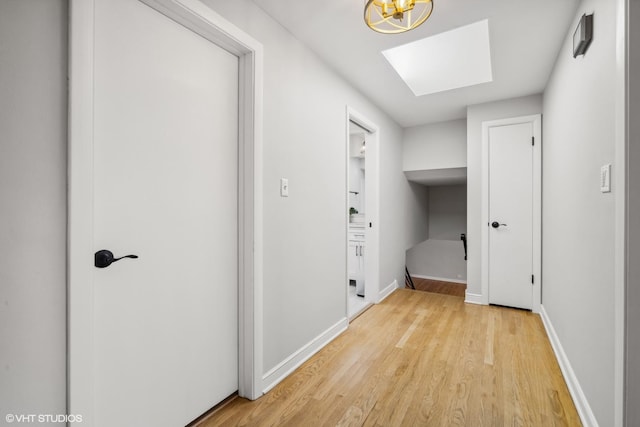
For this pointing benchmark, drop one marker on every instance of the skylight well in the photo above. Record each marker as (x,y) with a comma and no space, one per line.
(454,59)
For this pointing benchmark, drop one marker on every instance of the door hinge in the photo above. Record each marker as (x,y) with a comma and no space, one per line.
(533,140)
(532,277)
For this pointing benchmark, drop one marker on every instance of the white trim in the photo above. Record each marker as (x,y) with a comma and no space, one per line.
(372,209)
(440,279)
(470,298)
(388,291)
(536,121)
(291,363)
(80,348)
(537,213)
(578,396)
(202,20)
(621,191)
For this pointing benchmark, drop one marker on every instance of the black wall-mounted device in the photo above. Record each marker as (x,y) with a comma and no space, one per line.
(583,35)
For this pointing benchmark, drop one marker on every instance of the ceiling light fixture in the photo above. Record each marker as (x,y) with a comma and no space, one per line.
(396,16)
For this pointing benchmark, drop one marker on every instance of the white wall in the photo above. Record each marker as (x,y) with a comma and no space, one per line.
(33,69)
(438,259)
(447,212)
(442,255)
(398,195)
(356,184)
(578,220)
(355,143)
(435,146)
(304,141)
(476,114)
(416,215)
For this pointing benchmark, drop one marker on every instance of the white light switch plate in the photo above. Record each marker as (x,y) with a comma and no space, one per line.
(284,187)
(605,178)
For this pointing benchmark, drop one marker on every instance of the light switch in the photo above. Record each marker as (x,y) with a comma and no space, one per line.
(605,178)
(284,187)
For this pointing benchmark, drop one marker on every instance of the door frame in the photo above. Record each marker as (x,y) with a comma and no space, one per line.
(80,246)
(372,207)
(536,121)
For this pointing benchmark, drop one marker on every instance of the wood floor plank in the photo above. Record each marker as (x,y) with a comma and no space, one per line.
(439,286)
(421,359)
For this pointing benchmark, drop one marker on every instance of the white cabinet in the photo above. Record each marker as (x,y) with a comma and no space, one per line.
(356,258)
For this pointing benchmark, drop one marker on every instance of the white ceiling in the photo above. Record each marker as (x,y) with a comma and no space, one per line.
(525,38)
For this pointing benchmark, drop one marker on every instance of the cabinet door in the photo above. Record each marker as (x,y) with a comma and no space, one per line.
(354,259)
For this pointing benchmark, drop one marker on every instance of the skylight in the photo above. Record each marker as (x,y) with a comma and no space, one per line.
(454,59)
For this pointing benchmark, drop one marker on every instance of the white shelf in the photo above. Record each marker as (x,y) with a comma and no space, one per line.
(447,176)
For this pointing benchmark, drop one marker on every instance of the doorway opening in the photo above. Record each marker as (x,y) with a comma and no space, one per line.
(438,263)
(361,208)
(357,215)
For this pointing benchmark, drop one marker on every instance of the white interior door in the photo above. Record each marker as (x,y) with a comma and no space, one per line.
(165,325)
(511,208)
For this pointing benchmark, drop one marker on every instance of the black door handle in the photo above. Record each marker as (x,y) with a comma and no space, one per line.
(104,258)
(496,224)
(463,237)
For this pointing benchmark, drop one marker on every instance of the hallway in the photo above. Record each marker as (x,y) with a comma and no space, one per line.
(307,76)
(421,358)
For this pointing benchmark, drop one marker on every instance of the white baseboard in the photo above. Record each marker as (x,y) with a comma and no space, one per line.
(387,291)
(287,366)
(579,399)
(440,279)
(470,298)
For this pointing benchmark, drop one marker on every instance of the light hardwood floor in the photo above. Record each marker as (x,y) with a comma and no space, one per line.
(421,359)
(439,286)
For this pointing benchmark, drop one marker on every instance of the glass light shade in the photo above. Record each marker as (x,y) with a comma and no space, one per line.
(396,16)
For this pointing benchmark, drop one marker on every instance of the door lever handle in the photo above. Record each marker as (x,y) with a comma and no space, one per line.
(496,224)
(104,258)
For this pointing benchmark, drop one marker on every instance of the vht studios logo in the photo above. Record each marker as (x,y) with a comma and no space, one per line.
(43,418)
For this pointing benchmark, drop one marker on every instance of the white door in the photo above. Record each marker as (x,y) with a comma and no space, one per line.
(511,207)
(165,325)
